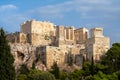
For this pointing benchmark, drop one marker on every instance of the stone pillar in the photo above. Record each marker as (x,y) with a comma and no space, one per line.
(72,34)
(79,35)
(69,34)
(60,34)
(65,33)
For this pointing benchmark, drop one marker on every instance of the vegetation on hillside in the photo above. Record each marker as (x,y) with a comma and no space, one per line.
(7,71)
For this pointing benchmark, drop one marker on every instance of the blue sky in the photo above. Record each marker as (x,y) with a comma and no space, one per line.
(77,13)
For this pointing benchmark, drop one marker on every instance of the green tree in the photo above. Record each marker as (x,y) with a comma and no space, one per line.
(7,71)
(22,77)
(100,67)
(24,69)
(83,61)
(39,75)
(76,75)
(63,75)
(55,70)
(101,76)
(92,66)
(86,68)
(112,58)
(118,74)
(33,65)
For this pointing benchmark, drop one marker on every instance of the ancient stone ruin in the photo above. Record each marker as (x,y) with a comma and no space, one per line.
(44,43)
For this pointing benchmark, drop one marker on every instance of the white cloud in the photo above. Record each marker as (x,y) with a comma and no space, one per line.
(7,7)
(81,6)
(96,1)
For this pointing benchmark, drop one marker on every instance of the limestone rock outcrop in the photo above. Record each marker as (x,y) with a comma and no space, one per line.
(26,54)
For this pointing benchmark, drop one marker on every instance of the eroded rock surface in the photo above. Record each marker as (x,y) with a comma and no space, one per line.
(26,54)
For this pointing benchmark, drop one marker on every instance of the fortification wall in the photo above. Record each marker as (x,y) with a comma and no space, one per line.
(26,27)
(100,47)
(97,45)
(37,32)
(13,37)
(61,55)
(42,28)
(55,54)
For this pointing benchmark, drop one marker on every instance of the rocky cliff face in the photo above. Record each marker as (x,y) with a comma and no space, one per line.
(26,54)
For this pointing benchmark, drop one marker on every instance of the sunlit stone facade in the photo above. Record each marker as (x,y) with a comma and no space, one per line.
(58,41)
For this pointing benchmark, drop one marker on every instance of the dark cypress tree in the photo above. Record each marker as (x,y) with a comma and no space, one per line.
(7,71)
(83,62)
(70,59)
(24,69)
(33,65)
(55,70)
(92,66)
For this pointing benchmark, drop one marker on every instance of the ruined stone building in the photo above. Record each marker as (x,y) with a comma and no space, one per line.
(49,43)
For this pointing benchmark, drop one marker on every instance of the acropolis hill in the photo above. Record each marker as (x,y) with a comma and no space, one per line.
(44,43)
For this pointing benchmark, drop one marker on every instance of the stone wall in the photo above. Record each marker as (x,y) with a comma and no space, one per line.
(60,55)
(97,45)
(39,33)
(26,27)
(100,47)
(42,27)
(42,33)
(97,32)
(13,37)
(55,54)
